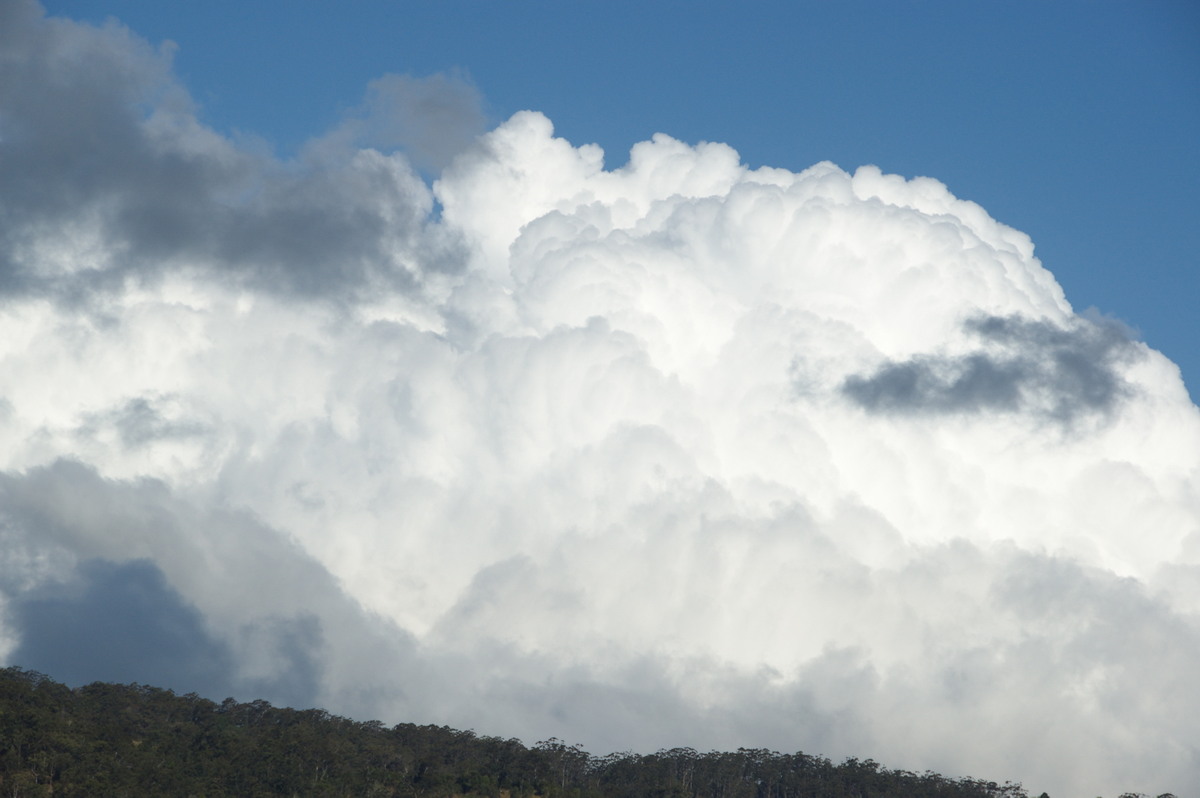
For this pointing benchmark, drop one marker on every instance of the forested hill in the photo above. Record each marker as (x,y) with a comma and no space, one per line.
(114,740)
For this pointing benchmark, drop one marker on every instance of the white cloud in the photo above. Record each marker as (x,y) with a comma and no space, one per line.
(676,454)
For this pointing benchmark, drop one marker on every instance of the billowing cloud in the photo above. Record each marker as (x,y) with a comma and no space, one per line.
(680,453)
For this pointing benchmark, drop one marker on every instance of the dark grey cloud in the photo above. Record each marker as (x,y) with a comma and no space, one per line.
(122,622)
(1024,365)
(293,645)
(102,156)
(123,581)
(119,622)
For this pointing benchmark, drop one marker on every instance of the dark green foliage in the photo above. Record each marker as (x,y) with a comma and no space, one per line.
(113,740)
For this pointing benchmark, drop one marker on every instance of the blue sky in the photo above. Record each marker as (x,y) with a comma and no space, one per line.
(1074,122)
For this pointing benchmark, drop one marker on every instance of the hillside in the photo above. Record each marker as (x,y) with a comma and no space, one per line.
(114,740)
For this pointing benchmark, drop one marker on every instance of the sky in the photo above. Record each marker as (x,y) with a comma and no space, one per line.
(1074,122)
(811,377)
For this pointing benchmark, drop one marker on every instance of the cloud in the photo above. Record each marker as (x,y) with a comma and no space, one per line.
(123,580)
(119,622)
(1063,373)
(153,190)
(432,120)
(680,453)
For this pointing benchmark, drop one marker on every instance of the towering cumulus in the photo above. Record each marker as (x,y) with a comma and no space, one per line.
(680,453)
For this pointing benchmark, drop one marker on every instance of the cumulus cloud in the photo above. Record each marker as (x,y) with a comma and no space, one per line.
(681,453)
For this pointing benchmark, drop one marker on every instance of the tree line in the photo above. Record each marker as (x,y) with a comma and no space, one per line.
(133,740)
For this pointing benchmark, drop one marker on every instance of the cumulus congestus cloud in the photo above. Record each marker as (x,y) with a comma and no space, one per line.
(680,453)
